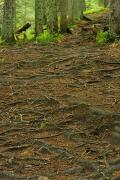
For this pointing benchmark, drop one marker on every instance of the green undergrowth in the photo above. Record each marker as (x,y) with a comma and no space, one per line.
(93,6)
(1,41)
(106,37)
(47,37)
(94,10)
(28,36)
(73,26)
(102,37)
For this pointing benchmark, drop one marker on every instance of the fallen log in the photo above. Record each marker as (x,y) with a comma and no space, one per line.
(23,28)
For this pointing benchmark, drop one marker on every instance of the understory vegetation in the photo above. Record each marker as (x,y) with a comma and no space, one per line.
(25,12)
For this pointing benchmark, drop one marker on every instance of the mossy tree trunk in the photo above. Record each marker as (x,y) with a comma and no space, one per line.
(115,17)
(75,9)
(9,16)
(39,16)
(52,15)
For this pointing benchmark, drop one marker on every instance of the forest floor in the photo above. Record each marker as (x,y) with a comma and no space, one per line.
(58,107)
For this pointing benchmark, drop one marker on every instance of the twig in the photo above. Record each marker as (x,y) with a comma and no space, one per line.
(55,135)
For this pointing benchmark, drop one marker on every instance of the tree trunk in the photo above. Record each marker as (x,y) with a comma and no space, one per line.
(51,15)
(70,11)
(82,8)
(9,17)
(63,6)
(39,16)
(115,17)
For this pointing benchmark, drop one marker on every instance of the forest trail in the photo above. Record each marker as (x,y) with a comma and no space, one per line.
(58,108)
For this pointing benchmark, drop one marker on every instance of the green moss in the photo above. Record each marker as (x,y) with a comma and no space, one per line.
(94,10)
(93,6)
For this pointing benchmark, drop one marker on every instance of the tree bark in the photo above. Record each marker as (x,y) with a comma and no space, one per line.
(70,11)
(115,17)
(63,6)
(51,15)
(39,16)
(9,17)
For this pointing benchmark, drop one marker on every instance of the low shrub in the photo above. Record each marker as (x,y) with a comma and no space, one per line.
(47,37)
(102,37)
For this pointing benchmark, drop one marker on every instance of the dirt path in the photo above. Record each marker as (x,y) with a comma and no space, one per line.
(58,107)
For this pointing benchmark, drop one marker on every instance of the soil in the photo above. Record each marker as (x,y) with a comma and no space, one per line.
(59,104)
